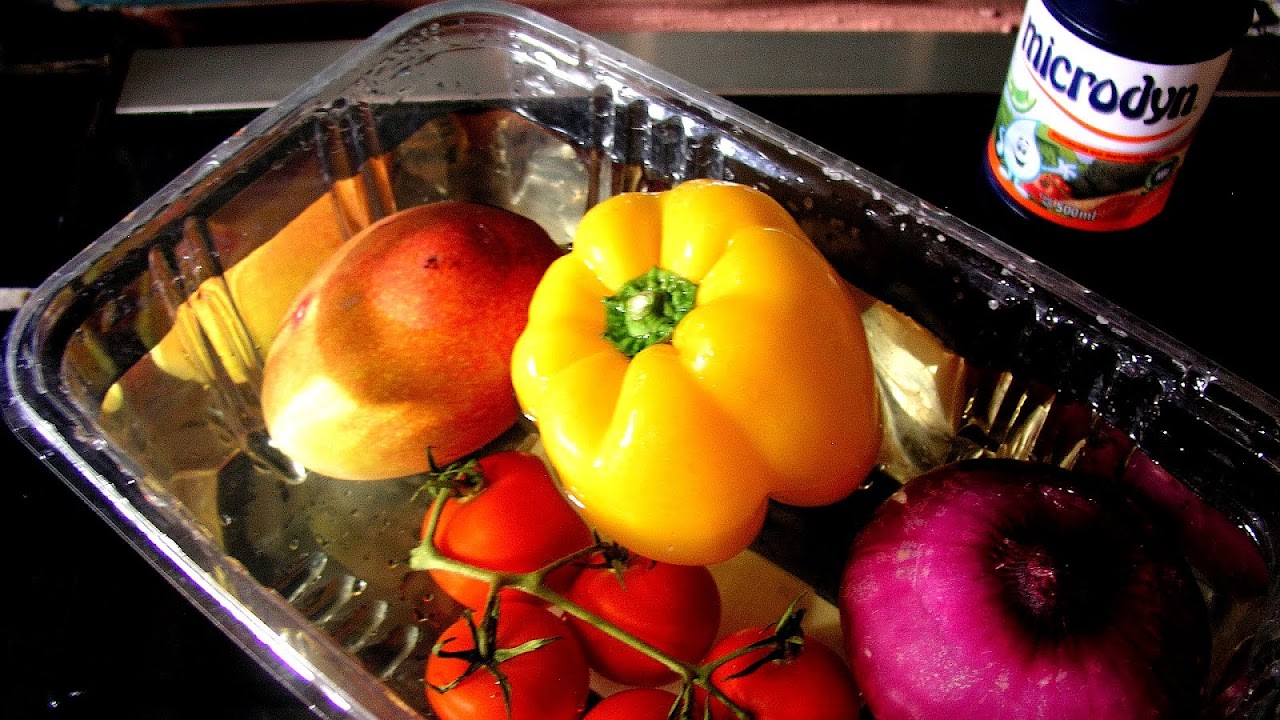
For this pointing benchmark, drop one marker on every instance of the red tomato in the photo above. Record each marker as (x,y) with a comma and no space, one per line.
(1054,186)
(809,683)
(517,522)
(634,704)
(675,608)
(550,682)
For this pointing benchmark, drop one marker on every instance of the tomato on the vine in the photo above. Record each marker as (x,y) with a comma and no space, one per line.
(519,662)
(674,608)
(506,514)
(790,675)
(642,703)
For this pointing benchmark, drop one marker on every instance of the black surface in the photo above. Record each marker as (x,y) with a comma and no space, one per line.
(91,629)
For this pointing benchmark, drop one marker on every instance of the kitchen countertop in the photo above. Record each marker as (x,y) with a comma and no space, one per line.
(93,628)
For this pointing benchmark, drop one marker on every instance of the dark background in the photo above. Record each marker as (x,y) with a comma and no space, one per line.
(91,628)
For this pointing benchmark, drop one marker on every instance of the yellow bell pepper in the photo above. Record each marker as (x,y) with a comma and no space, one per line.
(691,357)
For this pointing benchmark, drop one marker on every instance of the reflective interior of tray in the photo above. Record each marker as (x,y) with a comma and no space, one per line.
(216,283)
(974,356)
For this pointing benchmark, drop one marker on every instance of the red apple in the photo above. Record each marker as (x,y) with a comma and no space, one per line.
(1006,589)
(402,341)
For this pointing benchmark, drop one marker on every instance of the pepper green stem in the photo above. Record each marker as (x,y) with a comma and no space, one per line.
(646,310)
(427,556)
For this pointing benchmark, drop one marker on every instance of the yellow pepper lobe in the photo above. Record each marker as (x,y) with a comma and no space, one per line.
(695,505)
(763,390)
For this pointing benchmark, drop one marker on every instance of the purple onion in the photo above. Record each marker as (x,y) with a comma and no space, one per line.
(993,589)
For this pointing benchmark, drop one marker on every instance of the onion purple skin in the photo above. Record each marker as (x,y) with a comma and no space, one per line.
(994,589)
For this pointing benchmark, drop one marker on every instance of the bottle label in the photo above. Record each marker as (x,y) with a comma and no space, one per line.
(1089,139)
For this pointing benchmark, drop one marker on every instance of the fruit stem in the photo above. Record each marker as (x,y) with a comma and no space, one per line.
(485,653)
(646,310)
(461,477)
(427,556)
(785,642)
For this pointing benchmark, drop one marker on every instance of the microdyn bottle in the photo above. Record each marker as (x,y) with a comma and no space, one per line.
(1101,102)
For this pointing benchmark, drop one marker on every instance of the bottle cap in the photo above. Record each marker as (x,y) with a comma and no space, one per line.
(1163,32)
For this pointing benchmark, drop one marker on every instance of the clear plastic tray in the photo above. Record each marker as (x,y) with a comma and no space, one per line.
(133,371)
